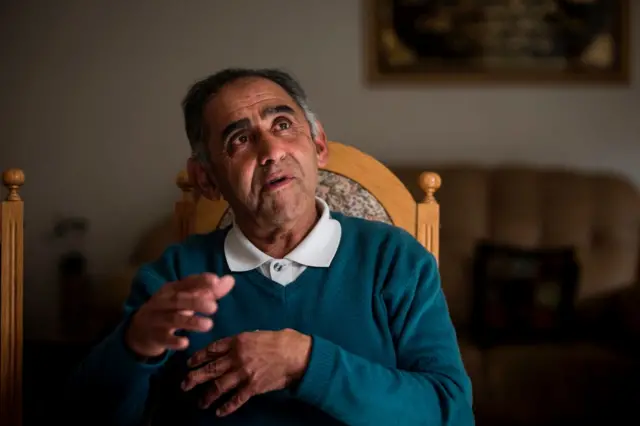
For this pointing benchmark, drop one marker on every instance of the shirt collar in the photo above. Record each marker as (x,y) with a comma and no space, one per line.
(317,249)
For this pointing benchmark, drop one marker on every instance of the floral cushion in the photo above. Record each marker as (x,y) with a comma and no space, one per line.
(342,195)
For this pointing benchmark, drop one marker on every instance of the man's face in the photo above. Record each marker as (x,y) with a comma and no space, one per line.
(264,160)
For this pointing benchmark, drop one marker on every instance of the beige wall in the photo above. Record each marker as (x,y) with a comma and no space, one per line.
(90,109)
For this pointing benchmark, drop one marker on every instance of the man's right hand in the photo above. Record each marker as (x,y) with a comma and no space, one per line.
(175,307)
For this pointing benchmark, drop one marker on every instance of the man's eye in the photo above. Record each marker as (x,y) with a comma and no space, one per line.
(240,139)
(283,125)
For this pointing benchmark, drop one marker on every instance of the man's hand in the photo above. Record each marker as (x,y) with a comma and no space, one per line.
(250,363)
(175,307)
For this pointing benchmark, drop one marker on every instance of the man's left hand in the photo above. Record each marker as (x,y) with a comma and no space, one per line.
(251,363)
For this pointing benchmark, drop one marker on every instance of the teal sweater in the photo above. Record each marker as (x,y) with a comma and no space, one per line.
(384,351)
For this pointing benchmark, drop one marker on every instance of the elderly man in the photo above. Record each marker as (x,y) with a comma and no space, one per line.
(295,314)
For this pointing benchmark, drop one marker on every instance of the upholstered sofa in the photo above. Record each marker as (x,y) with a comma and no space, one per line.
(593,374)
(588,377)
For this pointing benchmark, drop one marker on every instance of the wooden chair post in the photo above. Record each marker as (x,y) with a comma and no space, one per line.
(11,300)
(185,209)
(428,214)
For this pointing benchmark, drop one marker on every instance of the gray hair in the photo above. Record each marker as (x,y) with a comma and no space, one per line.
(201,92)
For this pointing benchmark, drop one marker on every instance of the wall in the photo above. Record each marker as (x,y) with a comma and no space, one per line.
(91,93)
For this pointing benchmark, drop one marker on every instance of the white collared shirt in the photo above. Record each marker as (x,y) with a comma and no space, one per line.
(316,250)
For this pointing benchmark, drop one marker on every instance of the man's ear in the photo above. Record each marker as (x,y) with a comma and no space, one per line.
(322,145)
(203,181)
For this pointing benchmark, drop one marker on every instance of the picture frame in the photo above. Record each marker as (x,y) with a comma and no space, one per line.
(498,41)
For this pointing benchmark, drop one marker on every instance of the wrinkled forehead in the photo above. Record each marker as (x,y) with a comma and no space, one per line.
(245,98)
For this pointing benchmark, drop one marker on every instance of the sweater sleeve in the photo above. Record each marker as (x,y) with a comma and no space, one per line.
(111,384)
(429,385)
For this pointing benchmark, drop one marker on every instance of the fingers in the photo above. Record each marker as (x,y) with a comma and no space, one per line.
(236,401)
(172,321)
(197,293)
(225,383)
(175,307)
(211,352)
(176,343)
(189,322)
(218,286)
(208,372)
(187,302)
(222,286)
(167,341)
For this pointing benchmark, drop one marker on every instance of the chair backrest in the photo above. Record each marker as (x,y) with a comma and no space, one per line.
(353,183)
(11,296)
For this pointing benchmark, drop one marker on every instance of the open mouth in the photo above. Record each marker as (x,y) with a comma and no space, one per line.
(277,182)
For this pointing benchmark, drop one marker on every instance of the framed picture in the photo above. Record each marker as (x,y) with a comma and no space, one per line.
(517,41)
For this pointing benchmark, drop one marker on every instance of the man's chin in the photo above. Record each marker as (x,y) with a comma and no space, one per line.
(279,215)
(281,209)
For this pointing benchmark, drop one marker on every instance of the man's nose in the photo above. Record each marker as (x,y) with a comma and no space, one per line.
(270,149)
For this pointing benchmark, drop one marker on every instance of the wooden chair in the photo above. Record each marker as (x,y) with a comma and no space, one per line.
(11,295)
(353,183)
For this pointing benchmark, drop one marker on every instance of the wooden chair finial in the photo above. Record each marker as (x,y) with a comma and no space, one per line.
(430,182)
(13,179)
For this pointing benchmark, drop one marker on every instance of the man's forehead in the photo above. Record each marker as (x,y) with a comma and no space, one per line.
(245,96)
